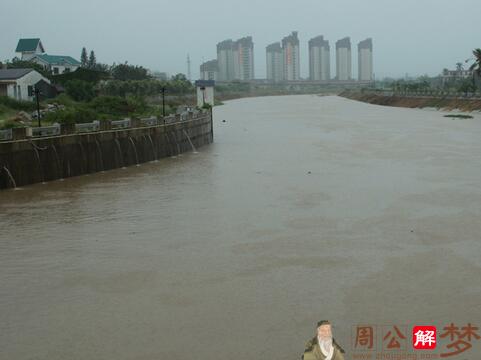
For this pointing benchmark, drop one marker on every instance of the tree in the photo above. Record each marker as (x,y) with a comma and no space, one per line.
(476,67)
(459,67)
(179,77)
(466,87)
(92,60)
(84,60)
(80,90)
(129,72)
(21,64)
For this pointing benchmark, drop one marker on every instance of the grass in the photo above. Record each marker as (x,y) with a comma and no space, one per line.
(5,114)
(459,116)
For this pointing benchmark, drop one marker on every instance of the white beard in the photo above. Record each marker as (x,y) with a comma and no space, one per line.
(326,347)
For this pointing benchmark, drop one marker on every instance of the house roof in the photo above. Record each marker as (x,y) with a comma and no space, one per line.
(58,59)
(13,74)
(29,45)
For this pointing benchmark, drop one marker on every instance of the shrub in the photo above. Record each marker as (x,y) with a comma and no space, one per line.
(110,105)
(16,104)
(83,74)
(71,116)
(10,124)
(80,90)
(62,99)
(117,106)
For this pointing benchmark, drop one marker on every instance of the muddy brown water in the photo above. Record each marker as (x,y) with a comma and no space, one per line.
(304,208)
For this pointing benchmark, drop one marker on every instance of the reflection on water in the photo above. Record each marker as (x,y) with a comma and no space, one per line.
(304,208)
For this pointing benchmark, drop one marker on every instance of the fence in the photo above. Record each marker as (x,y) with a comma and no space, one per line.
(53,130)
(152,121)
(6,135)
(427,94)
(56,129)
(88,127)
(120,124)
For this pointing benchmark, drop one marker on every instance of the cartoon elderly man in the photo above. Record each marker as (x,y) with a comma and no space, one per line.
(323,346)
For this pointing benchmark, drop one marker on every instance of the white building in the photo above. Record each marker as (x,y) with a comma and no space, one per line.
(290,49)
(209,70)
(243,52)
(275,62)
(19,83)
(33,50)
(225,60)
(57,64)
(319,59)
(343,60)
(235,59)
(28,48)
(365,71)
(205,92)
(456,75)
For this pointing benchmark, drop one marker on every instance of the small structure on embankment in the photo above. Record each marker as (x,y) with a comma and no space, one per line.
(205,92)
(32,155)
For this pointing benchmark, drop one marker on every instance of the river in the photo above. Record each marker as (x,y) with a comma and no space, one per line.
(304,208)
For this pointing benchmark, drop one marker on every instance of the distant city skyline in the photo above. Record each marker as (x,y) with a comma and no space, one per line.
(283,61)
(410,37)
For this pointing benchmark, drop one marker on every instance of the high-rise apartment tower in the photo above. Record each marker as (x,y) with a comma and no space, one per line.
(365,72)
(243,52)
(290,50)
(275,63)
(343,60)
(319,59)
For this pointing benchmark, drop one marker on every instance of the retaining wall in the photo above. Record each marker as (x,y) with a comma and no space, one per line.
(34,160)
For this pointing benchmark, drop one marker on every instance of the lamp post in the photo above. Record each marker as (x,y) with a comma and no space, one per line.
(163,103)
(203,96)
(37,96)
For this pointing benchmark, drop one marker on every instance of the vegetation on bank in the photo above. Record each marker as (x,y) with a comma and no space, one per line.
(444,103)
(449,92)
(99,91)
(92,94)
(459,116)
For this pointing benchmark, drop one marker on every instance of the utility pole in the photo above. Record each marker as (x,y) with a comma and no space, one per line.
(163,103)
(37,95)
(188,68)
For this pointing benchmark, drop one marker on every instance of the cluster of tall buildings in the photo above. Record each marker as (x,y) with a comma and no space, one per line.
(283,59)
(235,60)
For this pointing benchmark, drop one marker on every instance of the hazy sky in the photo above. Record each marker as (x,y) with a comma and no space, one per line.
(410,36)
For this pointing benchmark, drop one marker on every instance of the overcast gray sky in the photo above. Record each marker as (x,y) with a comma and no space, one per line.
(411,36)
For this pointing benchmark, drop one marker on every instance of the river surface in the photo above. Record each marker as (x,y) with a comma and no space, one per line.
(305,208)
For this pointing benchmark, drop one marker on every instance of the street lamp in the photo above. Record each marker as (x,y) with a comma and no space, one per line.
(203,96)
(163,102)
(37,95)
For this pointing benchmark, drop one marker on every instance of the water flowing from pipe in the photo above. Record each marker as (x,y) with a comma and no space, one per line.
(12,180)
(39,162)
(154,156)
(135,151)
(178,146)
(99,148)
(57,158)
(190,141)
(83,159)
(119,148)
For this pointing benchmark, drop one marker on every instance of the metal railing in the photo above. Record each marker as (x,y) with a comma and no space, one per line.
(94,126)
(88,127)
(6,135)
(120,124)
(53,130)
(152,121)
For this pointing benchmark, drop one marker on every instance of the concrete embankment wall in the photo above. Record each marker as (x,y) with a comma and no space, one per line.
(416,101)
(34,160)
